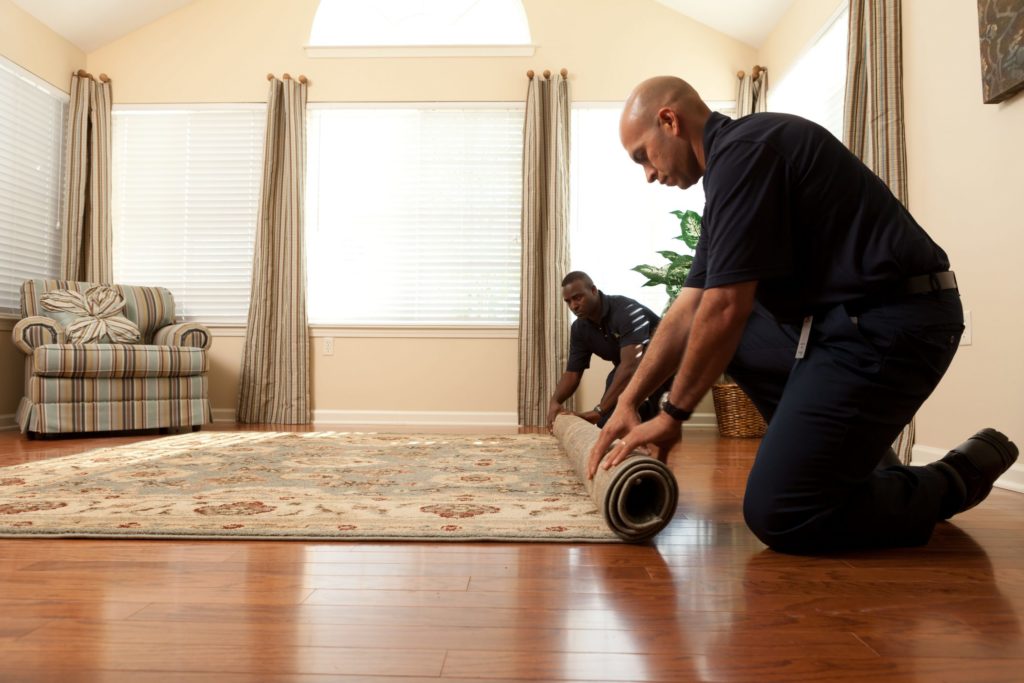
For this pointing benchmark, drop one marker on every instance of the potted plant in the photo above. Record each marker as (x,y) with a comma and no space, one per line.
(674,273)
(735,414)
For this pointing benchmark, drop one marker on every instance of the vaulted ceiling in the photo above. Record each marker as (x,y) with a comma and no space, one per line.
(91,24)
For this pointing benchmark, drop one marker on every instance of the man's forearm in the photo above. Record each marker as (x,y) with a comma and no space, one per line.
(665,351)
(717,329)
(566,387)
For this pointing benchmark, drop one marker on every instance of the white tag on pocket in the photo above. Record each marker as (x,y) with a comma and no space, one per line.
(805,335)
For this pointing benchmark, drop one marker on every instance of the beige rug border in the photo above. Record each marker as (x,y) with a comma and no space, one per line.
(277,536)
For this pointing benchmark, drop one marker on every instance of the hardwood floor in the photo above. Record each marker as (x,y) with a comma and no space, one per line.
(704,602)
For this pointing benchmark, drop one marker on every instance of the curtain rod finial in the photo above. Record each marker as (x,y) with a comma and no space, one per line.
(303,80)
(529,74)
(104,78)
(270,77)
(286,77)
(740,74)
(564,72)
(547,73)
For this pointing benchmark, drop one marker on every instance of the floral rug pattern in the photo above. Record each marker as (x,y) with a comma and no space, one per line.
(314,485)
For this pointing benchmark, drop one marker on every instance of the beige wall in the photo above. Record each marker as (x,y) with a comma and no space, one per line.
(964,163)
(221,50)
(965,175)
(34,47)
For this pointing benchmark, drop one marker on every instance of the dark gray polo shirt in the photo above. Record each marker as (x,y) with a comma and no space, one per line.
(788,205)
(624,322)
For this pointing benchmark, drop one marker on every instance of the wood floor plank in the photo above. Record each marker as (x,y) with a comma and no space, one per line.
(703,601)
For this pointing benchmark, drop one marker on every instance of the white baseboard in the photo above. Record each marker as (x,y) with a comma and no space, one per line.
(429,418)
(414,418)
(1013,480)
(7,422)
(224,415)
(702,421)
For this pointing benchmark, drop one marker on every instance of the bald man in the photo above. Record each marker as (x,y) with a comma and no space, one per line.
(830,306)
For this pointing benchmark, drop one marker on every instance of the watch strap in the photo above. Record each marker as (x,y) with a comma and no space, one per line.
(675,412)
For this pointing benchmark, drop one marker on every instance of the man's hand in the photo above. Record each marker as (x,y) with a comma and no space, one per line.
(622,422)
(554,410)
(658,435)
(591,416)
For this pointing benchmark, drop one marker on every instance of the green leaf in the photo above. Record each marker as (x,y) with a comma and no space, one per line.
(652,273)
(689,227)
(671,255)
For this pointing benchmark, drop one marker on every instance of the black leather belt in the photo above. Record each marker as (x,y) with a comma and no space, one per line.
(933,282)
(919,284)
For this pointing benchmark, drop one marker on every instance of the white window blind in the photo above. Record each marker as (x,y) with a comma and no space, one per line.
(32,121)
(413,214)
(814,87)
(186,194)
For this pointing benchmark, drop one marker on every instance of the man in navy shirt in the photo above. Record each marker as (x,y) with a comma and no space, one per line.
(614,328)
(830,306)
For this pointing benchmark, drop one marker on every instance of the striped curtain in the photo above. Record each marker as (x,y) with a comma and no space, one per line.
(751,91)
(86,252)
(744,98)
(274,384)
(543,317)
(873,125)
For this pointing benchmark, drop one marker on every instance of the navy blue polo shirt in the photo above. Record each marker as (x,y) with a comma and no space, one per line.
(788,205)
(624,322)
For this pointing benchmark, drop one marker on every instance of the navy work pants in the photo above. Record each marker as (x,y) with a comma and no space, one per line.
(647,410)
(834,413)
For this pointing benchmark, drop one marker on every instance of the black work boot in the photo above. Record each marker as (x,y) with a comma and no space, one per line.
(972,468)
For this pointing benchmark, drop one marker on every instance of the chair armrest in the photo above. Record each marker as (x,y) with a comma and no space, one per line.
(184,334)
(28,333)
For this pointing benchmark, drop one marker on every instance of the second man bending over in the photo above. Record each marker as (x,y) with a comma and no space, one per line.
(615,328)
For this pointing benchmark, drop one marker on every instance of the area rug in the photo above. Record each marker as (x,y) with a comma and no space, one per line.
(335,485)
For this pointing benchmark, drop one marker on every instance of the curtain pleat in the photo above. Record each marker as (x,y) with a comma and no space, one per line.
(744,97)
(87,239)
(759,91)
(751,92)
(274,384)
(873,125)
(544,319)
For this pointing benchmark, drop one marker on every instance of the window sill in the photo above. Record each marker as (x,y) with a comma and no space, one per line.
(389,331)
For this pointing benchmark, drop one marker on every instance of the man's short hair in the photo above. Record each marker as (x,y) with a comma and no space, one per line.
(577,275)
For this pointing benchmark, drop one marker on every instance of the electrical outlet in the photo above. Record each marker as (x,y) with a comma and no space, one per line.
(328,346)
(965,340)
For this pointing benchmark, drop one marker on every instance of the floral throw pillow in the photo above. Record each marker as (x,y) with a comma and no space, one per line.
(95,315)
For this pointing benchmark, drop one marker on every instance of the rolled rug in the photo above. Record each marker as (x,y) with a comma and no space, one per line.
(637,497)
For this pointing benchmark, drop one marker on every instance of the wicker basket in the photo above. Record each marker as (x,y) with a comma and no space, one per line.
(737,416)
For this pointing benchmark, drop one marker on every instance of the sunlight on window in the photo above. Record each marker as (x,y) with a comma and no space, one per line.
(815,85)
(617,220)
(366,23)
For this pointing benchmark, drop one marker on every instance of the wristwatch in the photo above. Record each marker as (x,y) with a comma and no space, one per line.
(597,409)
(675,412)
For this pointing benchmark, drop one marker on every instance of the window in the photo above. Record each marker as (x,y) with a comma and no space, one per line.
(815,85)
(185,198)
(33,117)
(468,27)
(617,220)
(413,214)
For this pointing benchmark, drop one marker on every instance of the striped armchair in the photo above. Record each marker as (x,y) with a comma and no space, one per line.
(108,358)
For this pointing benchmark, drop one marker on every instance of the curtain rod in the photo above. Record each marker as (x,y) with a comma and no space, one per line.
(287,77)
(547,73)
(82,73)
(755,73)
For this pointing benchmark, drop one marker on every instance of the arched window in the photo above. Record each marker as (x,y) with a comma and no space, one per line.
(397,28)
